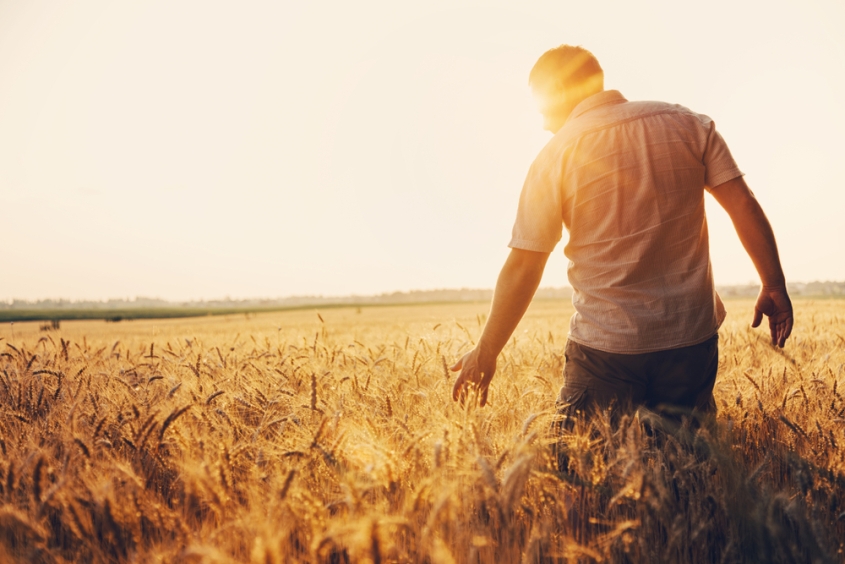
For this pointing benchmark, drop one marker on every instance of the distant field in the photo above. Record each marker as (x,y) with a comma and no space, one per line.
(329,436)
(117,315)
(128,314)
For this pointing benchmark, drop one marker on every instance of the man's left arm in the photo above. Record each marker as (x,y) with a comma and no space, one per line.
(518,280)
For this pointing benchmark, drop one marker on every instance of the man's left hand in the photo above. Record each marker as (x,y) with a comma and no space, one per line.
(477,370)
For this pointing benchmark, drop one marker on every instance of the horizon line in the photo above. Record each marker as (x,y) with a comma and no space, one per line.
(796,286)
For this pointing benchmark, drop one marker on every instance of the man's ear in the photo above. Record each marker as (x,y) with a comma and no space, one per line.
(550,96)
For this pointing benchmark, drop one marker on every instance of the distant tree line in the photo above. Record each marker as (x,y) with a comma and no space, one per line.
(809,289)
(803,289)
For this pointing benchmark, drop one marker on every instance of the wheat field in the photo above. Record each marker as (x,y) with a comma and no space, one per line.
(330,436)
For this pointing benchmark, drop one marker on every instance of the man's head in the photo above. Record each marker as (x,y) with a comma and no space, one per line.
(561,78)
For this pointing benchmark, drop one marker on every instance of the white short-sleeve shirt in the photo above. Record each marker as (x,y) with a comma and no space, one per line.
(627,180)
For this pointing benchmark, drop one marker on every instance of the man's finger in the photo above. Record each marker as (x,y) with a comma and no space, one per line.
(458,365)
(789,323)
(484,396)
(758,317)
(456,389)
(784,331)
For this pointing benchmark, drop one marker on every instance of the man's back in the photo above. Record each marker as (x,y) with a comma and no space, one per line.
(627,179)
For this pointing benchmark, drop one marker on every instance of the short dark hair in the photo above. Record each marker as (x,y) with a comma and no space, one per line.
(569,65)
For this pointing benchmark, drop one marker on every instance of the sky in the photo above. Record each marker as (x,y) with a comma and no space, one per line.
(193,149)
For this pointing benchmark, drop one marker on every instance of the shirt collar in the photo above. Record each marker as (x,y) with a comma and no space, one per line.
(596,100)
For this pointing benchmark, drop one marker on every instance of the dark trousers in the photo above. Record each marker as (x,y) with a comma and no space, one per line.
(671,382)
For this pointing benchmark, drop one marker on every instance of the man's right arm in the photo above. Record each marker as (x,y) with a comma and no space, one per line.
(757,237)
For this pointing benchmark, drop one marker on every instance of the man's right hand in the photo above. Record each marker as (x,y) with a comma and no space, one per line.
(755,233)
(774,303)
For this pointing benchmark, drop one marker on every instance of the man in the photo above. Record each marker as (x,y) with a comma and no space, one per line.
(627,179)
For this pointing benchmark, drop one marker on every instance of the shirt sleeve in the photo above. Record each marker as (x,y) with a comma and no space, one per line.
(719,164)
(539,218)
